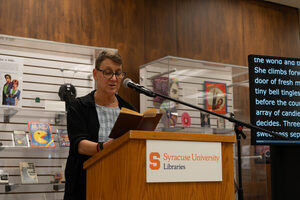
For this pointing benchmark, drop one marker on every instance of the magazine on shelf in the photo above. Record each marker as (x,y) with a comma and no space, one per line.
(20,139)
(28,173)
(62,137)
(40,134)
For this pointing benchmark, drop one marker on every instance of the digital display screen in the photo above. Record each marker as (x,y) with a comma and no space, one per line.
(274,85)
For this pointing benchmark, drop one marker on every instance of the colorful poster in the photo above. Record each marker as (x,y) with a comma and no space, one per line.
(215,99)
(40,134)
(11,73)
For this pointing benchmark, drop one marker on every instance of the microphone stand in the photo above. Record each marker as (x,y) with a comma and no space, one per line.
(238,129)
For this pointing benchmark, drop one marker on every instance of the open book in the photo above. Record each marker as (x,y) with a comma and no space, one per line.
(131,120)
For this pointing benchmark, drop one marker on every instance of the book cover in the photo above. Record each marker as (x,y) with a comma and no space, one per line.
(220,122)
(11,73)
(4,177)
(63,139)
(131,120)
(20,139)
(215,99)
(40,134)
(205,119)
(28,173)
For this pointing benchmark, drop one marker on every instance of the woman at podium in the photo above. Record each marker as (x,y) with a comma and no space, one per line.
(90,119)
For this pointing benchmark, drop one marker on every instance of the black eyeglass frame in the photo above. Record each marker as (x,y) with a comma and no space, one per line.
(113,73)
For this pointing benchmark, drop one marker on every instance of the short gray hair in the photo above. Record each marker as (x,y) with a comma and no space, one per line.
(112,55)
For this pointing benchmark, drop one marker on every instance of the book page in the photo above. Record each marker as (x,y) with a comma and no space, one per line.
(128,111)
(150,112)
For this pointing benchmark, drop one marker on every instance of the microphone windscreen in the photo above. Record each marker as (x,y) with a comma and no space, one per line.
(126,81)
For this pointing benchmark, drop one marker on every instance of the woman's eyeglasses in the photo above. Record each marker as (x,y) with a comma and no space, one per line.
(108,74)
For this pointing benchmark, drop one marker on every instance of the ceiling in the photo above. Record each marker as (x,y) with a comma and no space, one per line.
(292,3)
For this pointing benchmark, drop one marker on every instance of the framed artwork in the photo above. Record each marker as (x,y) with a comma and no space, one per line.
(215,97)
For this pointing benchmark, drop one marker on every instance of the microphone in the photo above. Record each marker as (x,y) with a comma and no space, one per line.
(128,83)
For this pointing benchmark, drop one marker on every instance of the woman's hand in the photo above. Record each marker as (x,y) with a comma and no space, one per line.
(108,143)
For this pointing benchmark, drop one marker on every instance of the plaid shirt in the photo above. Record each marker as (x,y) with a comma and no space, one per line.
(107,117)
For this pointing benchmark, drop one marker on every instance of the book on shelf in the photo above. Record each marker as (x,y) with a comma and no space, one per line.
(132,120)
(62,137)
(20,139)
(205,119)
(220,122)
(28,173)
(3,176)
(40,134)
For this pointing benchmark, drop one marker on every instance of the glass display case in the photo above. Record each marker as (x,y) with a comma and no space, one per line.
(217,87)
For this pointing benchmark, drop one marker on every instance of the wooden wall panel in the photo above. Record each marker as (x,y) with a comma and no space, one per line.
(220,31)
(270,29)
(96,23)
(160,29)
(127,35)
(55,12)
(215,30)
(210,30)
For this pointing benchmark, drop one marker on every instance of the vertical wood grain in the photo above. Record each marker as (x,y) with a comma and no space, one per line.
(127,35)
(216,30)
(96,22)
(210,30)
(160,29)
(128,180)
(55,13)
(270,29)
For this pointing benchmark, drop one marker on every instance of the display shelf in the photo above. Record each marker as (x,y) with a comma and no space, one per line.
(202,130)
(9,114)
(42,187)
(33,150)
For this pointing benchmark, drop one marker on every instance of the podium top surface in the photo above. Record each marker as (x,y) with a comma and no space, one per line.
(156,135)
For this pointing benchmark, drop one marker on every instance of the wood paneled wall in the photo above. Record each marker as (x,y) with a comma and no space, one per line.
(215,30)
(143,30)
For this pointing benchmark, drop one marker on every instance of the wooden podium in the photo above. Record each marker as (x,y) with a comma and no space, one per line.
(119,171)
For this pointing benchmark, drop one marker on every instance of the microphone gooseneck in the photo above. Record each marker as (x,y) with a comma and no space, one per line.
(128,83)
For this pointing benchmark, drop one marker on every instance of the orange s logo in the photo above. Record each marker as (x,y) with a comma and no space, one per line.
(155,163)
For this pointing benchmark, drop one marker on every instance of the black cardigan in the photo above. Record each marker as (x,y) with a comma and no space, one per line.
(82,123)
